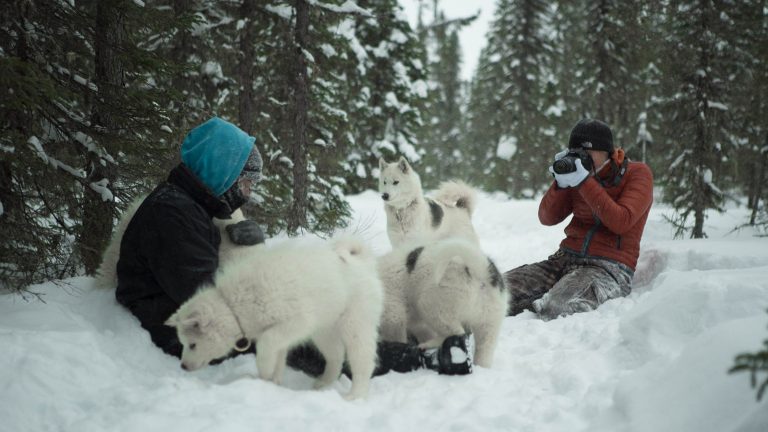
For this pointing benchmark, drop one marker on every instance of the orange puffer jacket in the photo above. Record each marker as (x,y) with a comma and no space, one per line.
(608,221)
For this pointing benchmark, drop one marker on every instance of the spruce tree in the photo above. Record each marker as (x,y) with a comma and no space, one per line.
(512,84)
(319,100)
(484,125)
(756,364)
(442,134)
(604,53)
(698,60)
(78,101)
(750,109)
(384,70)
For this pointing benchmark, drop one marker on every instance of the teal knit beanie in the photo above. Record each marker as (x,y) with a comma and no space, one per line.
(216,152)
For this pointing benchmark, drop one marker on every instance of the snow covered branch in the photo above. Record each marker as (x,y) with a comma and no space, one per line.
(348,7)
(38,147)
(101,188)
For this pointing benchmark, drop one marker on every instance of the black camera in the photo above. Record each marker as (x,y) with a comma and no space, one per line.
(567,163)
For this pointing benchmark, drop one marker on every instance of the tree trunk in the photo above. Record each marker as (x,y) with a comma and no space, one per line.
(297,216)
(180,52)
(701,147)
(97,210)
(759,184)
(603,59)
(246,111)
(700,165)
(9,201)
(12,202)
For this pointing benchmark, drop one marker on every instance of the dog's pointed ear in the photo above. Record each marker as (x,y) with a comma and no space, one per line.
(193,320)
(403,165)
(382,164)
(173,320)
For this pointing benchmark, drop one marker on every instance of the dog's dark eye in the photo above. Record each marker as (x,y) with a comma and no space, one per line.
(192,346)
(396,182)
(385,182)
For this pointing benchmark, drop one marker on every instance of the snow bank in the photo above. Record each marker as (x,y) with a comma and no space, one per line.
(654,361)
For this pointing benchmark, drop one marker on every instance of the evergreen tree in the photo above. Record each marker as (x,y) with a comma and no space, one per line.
(442,134)
(698,63)
(605,72)
(750,111)
(385,83)
(196,46)
(645,138)
(754,363)
(484,125)
(253,57)
(329,131)
(76,99)
(513,81)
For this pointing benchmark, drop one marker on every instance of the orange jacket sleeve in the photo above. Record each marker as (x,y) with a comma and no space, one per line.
(555,206)
(620,215)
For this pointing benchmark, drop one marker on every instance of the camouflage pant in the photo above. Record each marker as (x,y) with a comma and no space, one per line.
(566,283)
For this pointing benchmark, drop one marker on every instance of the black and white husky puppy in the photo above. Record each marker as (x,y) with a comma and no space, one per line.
(439,289)
(413,218)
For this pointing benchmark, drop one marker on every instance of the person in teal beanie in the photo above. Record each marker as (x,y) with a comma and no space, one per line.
(171,245)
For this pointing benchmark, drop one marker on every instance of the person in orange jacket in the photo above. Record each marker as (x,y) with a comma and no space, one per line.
(609,197)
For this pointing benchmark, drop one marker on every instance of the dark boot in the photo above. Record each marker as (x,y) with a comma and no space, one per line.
(398,357)
(452,358)
(307,359)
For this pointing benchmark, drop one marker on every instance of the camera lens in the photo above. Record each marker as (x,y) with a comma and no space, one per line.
(564,165)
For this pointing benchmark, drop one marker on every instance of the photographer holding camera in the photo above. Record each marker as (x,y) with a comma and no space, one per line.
(610,198)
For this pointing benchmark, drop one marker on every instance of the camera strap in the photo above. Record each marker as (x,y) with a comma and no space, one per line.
(617,173)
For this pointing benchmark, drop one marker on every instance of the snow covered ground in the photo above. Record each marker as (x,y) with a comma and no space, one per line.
(655,361)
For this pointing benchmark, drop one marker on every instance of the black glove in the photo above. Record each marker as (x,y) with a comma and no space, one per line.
(245,233)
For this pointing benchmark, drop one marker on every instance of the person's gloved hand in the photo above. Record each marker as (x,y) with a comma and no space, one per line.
(245,233)
(571,179)
(560,155)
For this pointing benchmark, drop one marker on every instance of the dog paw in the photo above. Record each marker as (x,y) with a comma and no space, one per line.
(353,396)
(321,384)
(266,376)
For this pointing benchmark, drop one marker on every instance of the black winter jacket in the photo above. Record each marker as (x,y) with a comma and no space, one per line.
(169,249)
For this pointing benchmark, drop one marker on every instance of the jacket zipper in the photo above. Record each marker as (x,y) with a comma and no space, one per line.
(590,233)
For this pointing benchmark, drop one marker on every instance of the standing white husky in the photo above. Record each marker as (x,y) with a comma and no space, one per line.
(411,217)
(283,296)
(441,289)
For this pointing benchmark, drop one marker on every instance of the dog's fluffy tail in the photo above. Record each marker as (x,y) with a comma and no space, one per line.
(106,274)
(350,247)
(444,253)
(457,194)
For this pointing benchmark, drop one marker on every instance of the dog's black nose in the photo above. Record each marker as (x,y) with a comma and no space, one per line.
(183,366)
(385,196)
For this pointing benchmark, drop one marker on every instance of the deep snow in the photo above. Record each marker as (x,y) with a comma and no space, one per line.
(654,361)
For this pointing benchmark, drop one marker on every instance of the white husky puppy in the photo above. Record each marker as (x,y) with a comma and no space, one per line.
(283,296)
(106,274)
(412,217)
(440,289)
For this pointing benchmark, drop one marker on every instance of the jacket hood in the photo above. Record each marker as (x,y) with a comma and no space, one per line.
(216,152)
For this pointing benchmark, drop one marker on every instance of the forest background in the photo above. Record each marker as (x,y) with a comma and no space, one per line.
(97,95)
